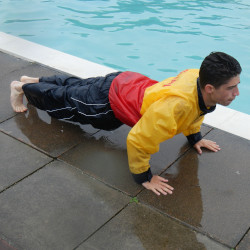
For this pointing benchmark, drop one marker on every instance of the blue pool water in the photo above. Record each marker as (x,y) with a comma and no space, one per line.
(156,38)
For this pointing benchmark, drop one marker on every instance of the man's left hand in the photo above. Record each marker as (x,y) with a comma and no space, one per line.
(211,145)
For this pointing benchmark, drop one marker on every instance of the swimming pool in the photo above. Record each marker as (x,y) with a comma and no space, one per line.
(156,38)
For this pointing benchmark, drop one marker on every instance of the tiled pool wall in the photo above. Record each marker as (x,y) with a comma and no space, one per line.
(224,118)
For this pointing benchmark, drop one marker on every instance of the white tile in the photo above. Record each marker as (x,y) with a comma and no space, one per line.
(239,125)
(229,120)
(219,116)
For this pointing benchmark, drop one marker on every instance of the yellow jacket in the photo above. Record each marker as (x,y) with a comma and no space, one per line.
(169,107)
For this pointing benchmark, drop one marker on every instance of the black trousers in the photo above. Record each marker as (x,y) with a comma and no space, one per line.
(74,99)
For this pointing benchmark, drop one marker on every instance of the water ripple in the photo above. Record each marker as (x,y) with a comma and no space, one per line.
(25,20)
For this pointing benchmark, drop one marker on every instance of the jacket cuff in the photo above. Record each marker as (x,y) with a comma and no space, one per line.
(143,177)
(194,138)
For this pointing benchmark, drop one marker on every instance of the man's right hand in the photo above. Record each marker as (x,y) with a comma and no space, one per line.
(158,185)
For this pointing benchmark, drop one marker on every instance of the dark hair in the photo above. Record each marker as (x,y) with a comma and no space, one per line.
(217,69)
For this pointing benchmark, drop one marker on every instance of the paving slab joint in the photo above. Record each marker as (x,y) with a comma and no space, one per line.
(5,120)
(174,161)
(248,230)
(29,145)
(189,148)
(13,184)
(98,179)
(103,225)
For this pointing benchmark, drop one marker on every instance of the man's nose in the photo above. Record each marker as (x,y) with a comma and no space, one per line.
(237,92)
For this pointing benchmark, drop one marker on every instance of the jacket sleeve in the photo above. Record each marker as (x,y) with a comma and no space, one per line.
(194,138)
(159,123)
(193,133)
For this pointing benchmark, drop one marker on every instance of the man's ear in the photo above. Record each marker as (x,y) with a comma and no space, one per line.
(209,89)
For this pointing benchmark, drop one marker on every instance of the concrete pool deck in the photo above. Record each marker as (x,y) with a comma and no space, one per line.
(65,186)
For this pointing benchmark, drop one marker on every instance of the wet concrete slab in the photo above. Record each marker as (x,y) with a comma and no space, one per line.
(17,161)
(37,128)
(58,207)
(104,160)
(212,190)
(10,63)
(139,227)
(104,156)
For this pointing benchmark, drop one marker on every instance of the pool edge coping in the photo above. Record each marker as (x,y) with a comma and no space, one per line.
(223,118)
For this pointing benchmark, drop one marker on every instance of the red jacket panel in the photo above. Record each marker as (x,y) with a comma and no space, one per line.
(126,96)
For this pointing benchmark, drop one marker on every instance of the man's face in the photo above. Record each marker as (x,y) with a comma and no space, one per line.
(226,93)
